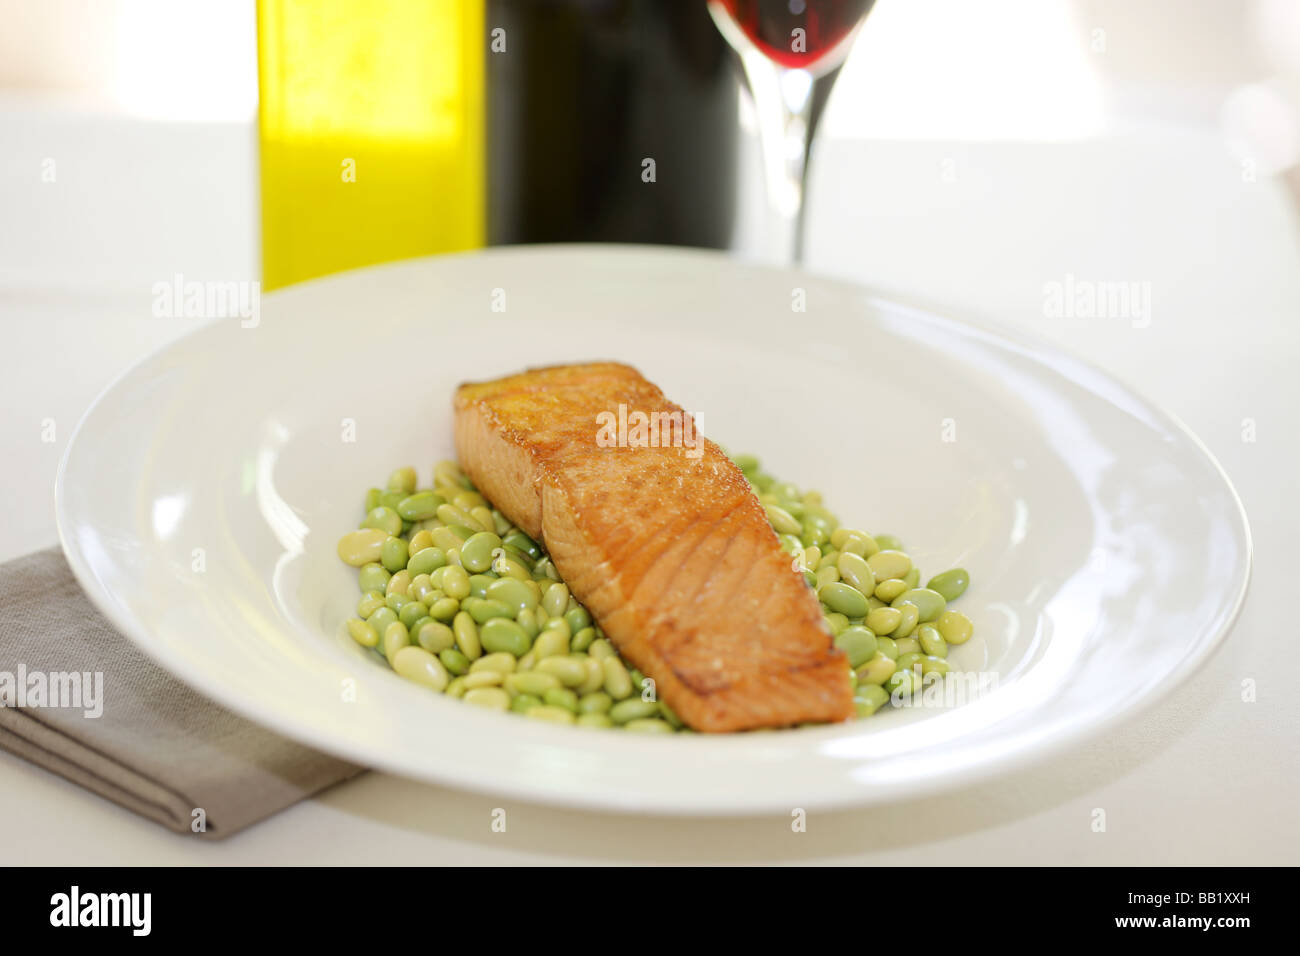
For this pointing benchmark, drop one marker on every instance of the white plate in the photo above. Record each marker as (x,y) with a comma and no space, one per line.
(202,496)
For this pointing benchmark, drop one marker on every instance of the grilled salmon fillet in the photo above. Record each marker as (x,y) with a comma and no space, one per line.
(669,549)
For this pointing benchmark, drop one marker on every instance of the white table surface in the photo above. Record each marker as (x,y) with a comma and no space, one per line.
(1203,777)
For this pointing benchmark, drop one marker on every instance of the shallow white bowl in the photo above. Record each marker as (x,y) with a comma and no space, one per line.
(202,496)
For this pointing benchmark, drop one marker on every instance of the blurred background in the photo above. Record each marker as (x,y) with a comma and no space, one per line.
(131,103)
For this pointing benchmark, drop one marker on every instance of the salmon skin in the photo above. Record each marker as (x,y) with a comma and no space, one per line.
(668,547)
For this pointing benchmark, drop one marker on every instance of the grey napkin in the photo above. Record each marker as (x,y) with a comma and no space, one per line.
(156,747)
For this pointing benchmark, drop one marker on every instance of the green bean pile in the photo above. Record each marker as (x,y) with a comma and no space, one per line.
(458,599)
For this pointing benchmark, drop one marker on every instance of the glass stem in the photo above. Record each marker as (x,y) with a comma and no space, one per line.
(789,103)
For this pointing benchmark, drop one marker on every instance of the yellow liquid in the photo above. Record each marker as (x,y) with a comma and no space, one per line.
(371,132)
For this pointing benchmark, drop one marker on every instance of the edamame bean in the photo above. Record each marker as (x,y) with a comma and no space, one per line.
(648,725)
(883,620)
(476,553)
(484,610)
(420,588)
(908,624)
(595,679)
(837,622)
(597,702)
(844,599)
(444,609)
(907,660)
(782,520)
(929,604)
(466,632)
(886,646)
(370,602)
(561,697)
(513,593)
(362,547)
(434,636)
(532,682)
(500,634)
(374,576)
(383,519)
(634,709)
(594,720)
(869,699)
(876,671)
(403,480)
(932,641)
(551,642)
(577,618)
(955,627)
(858,643)
(455,583)
(454,517)
(889,564)
(455,662)
(420,506)
(554,715)
(483,678)
(907,645)
(827,576)
(396,636)
(888,590)
(399,583)
(362,632)
(951,584)
(499,662)
(601,648)
(934,665)
(493,698)
(582,640)
(618,683)
(426,560)
(555,599)
(411,612)
(448,540)
(855,571)
(417,664)
(888,542)
(381,619)
(570,672)
(393,554)
(523,702)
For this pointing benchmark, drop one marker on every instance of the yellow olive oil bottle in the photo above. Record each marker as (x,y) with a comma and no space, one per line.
(370,130)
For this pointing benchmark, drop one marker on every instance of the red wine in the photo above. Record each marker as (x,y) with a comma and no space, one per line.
(771,26)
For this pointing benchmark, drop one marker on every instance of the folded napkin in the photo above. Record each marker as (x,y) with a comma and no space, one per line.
(78,698)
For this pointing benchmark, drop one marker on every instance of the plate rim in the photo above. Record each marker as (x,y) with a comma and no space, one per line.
(634,802)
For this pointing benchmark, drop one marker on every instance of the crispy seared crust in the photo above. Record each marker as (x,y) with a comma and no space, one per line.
(673,555)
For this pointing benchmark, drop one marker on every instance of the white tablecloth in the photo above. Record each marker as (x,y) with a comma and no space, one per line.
(1204,777)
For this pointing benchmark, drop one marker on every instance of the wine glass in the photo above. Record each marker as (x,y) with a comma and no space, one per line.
(791,51)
